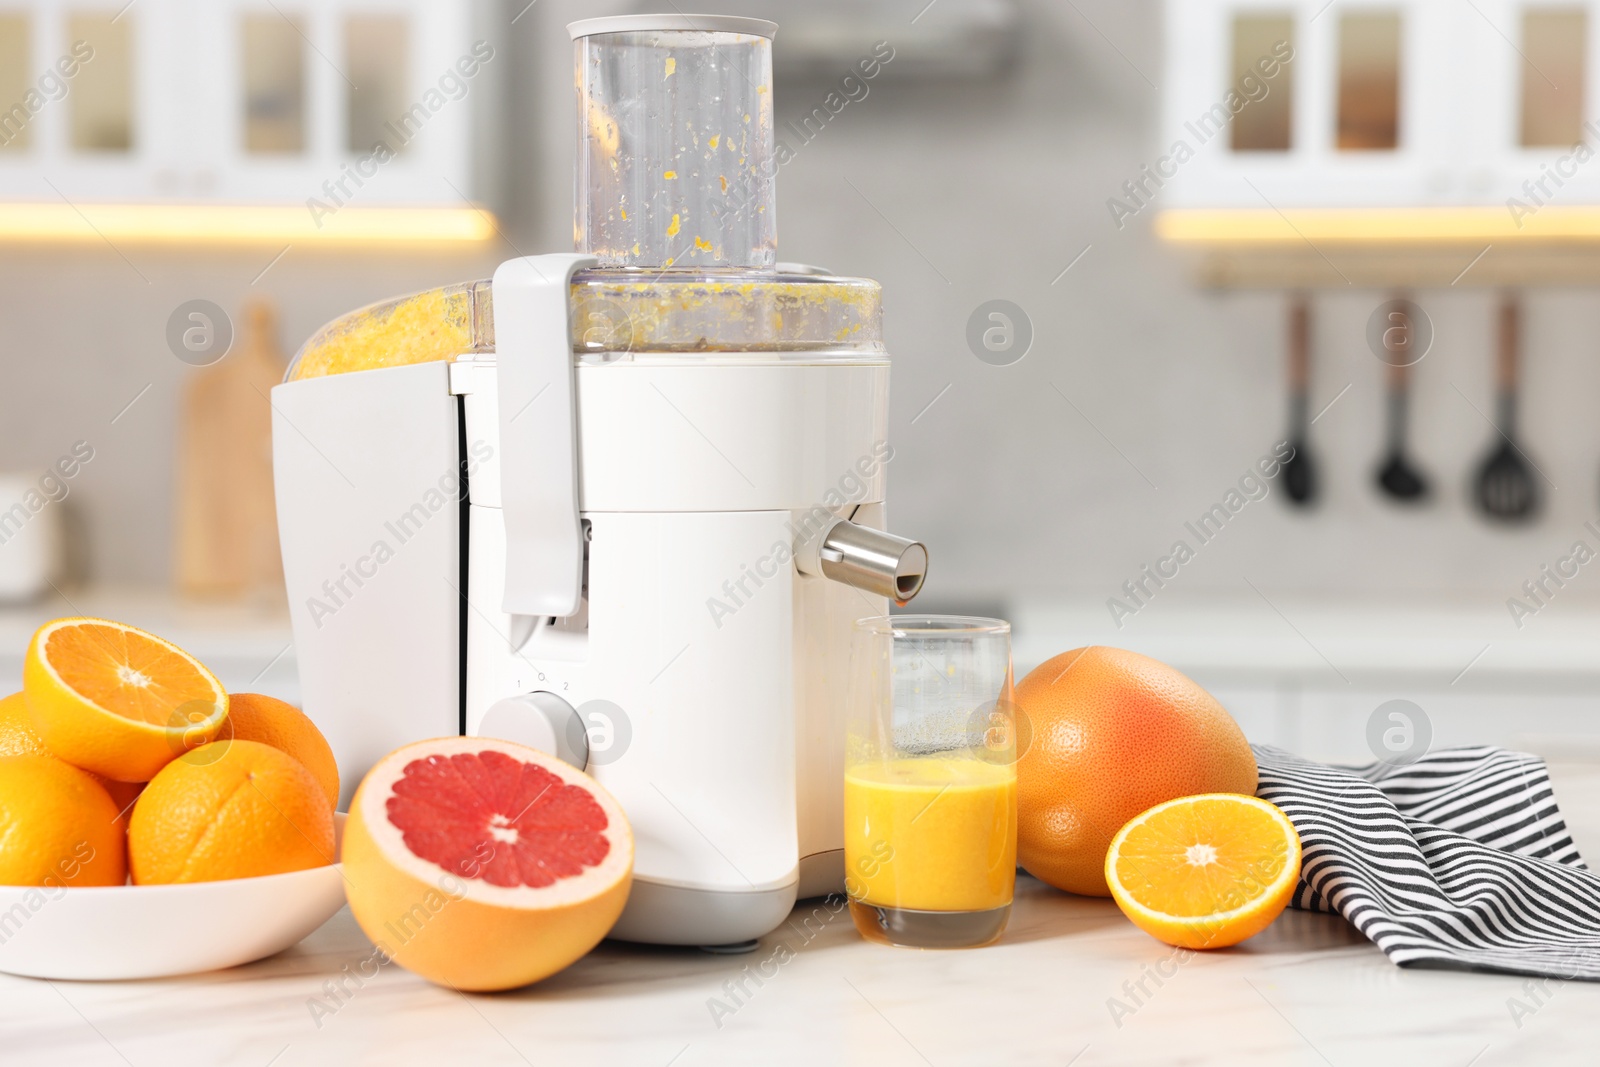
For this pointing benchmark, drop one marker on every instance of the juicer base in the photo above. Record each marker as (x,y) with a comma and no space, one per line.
(675,915)
(740,948)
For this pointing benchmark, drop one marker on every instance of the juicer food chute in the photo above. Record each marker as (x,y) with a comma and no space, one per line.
(641,483)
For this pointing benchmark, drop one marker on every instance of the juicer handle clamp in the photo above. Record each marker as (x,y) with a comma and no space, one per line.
(538,434)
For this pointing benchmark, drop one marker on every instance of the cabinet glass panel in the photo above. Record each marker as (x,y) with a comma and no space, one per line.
(15,83)
(273,48)
(1369,81)
(102,98)
(1553,43)
(1263,124)
(375,59)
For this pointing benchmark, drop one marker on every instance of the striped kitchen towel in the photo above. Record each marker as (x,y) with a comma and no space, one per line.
(1460,859)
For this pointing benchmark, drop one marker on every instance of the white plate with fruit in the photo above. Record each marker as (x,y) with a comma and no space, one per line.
(150,825)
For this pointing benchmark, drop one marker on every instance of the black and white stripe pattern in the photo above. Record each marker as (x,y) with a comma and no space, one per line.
(1460,859)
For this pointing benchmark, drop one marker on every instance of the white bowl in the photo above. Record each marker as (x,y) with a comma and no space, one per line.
(154,931)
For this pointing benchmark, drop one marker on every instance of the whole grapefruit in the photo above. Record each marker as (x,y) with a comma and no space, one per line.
(1114,734)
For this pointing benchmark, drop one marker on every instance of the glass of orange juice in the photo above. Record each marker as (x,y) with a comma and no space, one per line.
(930,788)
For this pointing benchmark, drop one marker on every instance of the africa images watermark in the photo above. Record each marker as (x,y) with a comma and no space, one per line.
(37,898)
(1141,189)
(450,86)
(51,86)
(1565,166)
(450,489)
(852,89)
(1541,589)
(1136,992)
(737,992)
(850,489)
(1253,485)
(403,928)
(52,488)
(1538,991)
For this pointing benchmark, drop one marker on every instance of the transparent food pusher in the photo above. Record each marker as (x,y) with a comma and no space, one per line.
(622,504)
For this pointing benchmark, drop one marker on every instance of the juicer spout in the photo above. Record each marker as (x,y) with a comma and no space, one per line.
(873,560)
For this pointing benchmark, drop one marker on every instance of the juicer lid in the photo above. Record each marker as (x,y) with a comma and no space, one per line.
(692,23)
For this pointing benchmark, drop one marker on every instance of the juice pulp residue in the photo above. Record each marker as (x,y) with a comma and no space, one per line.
(694,315)
(423,328)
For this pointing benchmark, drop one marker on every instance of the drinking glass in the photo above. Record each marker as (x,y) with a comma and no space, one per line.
(930,793)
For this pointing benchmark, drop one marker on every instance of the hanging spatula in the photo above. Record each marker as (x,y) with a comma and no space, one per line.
(1507,489)
(1299,470)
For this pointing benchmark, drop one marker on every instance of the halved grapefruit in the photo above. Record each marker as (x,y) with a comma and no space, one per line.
(482,864)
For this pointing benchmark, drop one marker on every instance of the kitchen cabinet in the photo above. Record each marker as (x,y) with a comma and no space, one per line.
(322,106)
(1329,722)
(1416,126)
(1311,679)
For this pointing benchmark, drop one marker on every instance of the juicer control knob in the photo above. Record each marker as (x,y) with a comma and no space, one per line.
(539,720)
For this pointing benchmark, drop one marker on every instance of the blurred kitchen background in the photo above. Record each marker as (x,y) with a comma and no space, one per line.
(988,160)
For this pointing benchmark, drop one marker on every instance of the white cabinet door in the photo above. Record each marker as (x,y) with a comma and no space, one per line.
(91,86)
(259,101)
(392,92)
(1463,71)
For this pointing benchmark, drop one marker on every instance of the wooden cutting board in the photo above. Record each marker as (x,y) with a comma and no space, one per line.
(227,525)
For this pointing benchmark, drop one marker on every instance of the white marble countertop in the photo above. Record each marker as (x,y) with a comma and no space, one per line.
(1309,990)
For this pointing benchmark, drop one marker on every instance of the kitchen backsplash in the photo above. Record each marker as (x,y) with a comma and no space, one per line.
(1137,407)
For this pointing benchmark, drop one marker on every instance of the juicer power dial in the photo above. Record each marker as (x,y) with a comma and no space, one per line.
(539,720)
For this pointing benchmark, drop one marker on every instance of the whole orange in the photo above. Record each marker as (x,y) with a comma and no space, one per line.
(1114,734)
(18,738)
(58,826)
(256,717)
(229,809)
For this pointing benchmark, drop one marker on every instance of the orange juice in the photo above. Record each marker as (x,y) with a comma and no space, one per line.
(931,833)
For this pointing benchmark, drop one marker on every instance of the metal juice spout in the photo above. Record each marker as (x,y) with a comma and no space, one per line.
(870,560)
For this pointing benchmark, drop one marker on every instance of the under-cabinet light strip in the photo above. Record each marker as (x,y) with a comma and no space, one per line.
(1378,226)
(240,224)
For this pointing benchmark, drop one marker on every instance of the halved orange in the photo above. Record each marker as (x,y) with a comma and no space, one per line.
(112,699)
(1205,871)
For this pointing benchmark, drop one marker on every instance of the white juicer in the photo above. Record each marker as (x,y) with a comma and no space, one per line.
(622,505)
